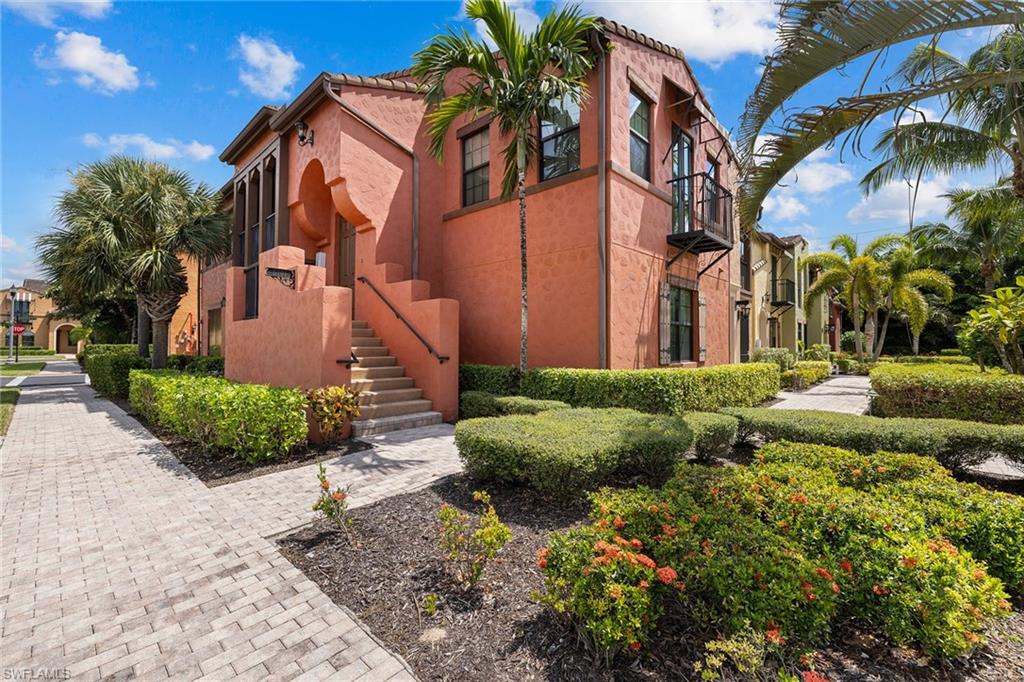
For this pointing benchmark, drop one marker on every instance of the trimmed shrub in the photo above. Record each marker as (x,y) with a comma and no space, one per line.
(783,357)
(954,392)
(818,351)
(251,421)
(108,371)
(955,444)
(94,349)
(26,352)
(934,359)
(805,373)
(950,352)
(473,404)
(196,364)
(566,452)
(780,548)
(496,379)
(713,434)
(848,341)
(667,391)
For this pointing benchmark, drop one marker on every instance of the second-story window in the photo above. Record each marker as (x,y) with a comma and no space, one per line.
(745,264)
(476,163)
(713,195)
(639,136)
(560,139)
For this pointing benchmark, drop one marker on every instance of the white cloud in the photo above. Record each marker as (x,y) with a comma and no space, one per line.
(269,71)
(7,244)
(783,206)
(891,202)
(149,148)
(46,13)
(713,31)
(817,174)
(94,66)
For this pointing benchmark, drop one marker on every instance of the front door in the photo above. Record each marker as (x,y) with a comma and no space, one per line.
(744,334)
(346,260)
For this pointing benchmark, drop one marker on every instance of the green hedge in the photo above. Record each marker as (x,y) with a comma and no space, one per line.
(954,392)
(251,421)
(196,364)
(783,357)
(713,434)
(108,370)
(28,352)
(474,404)
(94,349)
(668,391)
(567,452)
(806,373)
(786,550)
(955,444)
(935,359)
(496,379)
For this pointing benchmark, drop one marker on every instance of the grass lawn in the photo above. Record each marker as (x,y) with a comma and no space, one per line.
(21,368)
(8,396)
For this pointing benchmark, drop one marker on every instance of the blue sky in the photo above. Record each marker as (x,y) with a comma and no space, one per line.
(175,81)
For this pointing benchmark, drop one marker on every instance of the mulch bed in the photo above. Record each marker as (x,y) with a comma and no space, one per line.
(499,631)
(217,468)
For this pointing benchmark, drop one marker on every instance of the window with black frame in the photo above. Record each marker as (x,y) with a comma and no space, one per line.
(476,162)
(560,139)
(745,264)
(682,168)
(639,135)
(711,191)
(680,324)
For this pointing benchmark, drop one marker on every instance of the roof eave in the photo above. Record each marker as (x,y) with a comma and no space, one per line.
(242,140)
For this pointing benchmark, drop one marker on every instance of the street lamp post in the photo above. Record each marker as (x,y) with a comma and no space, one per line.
(12,293)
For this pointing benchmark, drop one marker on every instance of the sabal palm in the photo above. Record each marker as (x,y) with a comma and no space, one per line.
(125,221)
(987,226)
(818,36)
(857,276)
(515,87)
(989,127)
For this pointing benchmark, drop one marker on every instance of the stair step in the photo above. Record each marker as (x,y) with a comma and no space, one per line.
(393,409)
(369,351)
(378,425)
(377,361)
(363,333)
(365,340)
(382,383)
(360,324)
(392,395)
(394,371)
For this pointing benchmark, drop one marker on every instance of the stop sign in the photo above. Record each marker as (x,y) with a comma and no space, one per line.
(19,329)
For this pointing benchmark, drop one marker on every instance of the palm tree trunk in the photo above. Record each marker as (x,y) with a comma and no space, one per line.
(523,307)
(988,273)
(160,329)
(870,325)
(881,337)
(142,323)
(915,344)
(160,308)
(1018,175)
(858,341)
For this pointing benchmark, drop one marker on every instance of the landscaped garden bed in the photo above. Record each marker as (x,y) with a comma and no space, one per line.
(388,567)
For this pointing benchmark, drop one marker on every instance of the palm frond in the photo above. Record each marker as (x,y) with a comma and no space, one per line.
(816,37)
(846,244)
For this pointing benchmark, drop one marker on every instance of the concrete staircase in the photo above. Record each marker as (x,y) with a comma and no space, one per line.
(388,399)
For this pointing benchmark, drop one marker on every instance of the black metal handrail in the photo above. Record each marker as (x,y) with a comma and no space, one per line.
(399,315)
(700,203)
(349,361)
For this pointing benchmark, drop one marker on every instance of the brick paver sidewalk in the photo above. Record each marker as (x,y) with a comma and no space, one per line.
(116,561)
(846,393)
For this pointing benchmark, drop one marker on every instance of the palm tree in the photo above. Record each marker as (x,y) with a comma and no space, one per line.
(902,283)
(126,221)
(857,277)
(988,228)
(990,127)
(818,36)
(516,86)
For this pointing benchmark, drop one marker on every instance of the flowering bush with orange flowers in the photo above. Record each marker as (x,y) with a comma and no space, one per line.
(468,549)
(784,549)
(332,504)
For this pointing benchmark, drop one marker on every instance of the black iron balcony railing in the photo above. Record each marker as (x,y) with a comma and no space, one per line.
(699,204)
(783,292)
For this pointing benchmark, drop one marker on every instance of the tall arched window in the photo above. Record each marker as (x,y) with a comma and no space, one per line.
(253,220)
(240,207)
(269,204)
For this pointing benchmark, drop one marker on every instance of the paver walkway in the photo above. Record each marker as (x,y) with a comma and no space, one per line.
(116,561)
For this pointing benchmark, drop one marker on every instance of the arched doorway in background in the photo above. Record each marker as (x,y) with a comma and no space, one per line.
(62,341)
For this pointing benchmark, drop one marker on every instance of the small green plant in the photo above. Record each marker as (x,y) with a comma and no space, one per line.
(466,548)
(332,504)
(745,651)
(332,406)
(430,603)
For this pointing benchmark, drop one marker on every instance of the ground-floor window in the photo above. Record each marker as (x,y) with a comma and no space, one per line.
(773,332)
(677,322)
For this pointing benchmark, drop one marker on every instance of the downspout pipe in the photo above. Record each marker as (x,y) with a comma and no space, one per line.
(602,212)
(372,125)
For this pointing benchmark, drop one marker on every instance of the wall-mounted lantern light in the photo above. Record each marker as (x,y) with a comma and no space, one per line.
(305,133)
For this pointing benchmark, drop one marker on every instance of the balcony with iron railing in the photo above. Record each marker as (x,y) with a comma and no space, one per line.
(701,214)
(783,292)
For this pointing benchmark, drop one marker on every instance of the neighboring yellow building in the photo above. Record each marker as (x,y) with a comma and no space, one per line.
(34,310)
(769,303)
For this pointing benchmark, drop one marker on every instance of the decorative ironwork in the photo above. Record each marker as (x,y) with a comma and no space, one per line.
(282,275)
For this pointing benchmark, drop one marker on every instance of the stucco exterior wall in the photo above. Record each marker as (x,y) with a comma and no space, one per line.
(213,290)
(183,331)
(41,322)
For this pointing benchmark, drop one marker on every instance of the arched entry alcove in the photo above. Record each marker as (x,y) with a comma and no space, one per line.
(62,342)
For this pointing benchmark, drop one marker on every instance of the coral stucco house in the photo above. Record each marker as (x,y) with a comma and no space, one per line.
(358,258)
